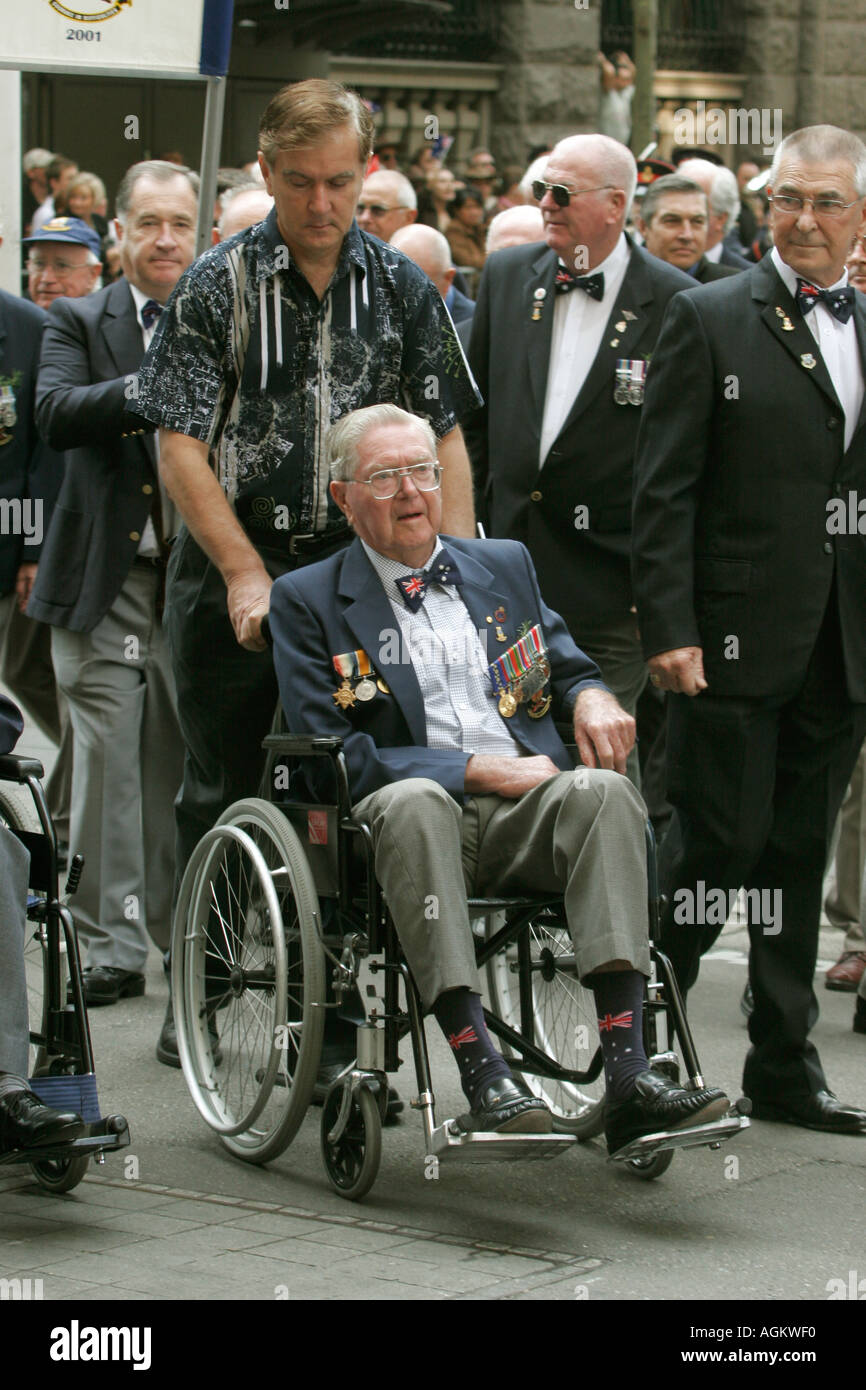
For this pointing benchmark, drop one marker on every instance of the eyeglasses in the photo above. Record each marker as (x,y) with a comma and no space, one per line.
(562,196)
(822,207)
(386,484)
(56,267)
(377,210)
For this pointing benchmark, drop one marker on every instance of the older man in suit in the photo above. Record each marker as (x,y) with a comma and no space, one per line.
(560,343)
(456,765)
(750,577)
(674,221)
(100,585)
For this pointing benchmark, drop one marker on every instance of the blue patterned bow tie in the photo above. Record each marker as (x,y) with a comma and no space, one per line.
(592,284)
(150,312)
(413,587)
(840,302)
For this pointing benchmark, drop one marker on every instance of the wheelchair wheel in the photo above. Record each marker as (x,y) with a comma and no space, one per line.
(564,1020)
(60,1174)
(352,1162)
(649,1168)
(248,980)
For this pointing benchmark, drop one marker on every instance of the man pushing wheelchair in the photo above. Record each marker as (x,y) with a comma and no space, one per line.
(440,667)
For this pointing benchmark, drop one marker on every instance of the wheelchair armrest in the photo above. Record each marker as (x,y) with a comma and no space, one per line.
(14,769)
(299,746)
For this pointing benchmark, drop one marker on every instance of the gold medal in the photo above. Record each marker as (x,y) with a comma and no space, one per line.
(345,696)
(383,686)
(507,704)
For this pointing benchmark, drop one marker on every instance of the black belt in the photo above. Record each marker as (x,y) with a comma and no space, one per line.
(310,544)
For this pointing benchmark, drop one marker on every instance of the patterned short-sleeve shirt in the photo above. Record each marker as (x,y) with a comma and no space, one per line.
(249,361)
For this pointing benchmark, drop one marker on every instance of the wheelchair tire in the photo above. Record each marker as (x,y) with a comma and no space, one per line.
(353,1161)
(17,810)
(248,980)
(648,1168)
(565,1023)
(59,1174)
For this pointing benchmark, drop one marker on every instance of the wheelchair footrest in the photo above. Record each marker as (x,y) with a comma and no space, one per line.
(712,1134)
(103,1136)
(450,1143)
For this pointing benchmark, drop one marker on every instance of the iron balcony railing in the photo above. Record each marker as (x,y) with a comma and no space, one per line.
(694,35)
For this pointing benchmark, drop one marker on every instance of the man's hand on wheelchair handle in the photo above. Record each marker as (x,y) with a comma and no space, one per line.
(248,596)
(489,775)
(603,731)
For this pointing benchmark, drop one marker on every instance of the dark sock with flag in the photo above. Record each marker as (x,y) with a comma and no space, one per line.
(619,1008)
(461,1017)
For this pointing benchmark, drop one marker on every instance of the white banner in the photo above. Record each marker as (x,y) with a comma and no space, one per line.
(153,37)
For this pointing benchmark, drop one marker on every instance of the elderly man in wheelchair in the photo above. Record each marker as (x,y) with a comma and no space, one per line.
(439,666)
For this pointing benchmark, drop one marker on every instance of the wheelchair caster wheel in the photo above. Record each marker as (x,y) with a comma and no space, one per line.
(352,1161)
(60,1174)
(648,1168)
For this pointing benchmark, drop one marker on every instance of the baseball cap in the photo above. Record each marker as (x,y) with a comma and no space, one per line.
(70,229)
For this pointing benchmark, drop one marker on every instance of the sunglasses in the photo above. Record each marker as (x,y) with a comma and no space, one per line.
(562,196)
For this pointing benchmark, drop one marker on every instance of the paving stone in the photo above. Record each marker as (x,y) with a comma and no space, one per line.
(276,1224)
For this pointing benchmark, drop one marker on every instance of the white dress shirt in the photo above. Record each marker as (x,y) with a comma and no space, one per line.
(579,322)
(714,255)
(449,660)
(837,343)
(148,545)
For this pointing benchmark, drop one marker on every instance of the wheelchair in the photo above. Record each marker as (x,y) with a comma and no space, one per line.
(61,1055)
(277,912)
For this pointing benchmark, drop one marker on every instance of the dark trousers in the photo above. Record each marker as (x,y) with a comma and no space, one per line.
(226,695)
(756,785)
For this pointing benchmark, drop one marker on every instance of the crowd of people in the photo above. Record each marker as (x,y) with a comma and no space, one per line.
(364,361)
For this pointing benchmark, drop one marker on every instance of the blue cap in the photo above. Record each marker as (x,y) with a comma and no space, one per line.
(70,229)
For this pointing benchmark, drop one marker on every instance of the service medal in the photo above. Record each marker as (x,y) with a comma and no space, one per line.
(345,696)
(507,704)
(365,689)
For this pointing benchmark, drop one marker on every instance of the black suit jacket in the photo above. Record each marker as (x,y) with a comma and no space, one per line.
(91,352)
(732,254)
(29,470)
(705,272)
(741,448)
(581,571)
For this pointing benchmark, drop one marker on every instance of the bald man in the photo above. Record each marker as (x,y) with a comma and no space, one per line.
(429,249)
(242,207)
(723,196)
(515,227)
(388,201)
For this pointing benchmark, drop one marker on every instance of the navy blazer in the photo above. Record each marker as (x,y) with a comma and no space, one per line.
(339,605)
(90,354)
(28,468)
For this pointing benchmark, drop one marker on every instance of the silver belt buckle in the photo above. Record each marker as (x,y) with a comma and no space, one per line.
(294,539)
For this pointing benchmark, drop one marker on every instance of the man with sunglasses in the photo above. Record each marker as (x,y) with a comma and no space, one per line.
(750,576)
(417,650)
(387,202)
(560,341)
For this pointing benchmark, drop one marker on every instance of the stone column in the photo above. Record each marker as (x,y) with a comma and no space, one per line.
(550,83)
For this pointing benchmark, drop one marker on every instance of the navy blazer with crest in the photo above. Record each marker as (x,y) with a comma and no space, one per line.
(740,451)
(90,353)
(339,606)
(582,558)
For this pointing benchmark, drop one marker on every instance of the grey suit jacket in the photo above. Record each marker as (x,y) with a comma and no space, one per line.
(91,352)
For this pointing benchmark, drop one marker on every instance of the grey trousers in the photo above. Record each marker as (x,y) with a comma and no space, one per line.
(842,904)
(27,670)
(580,833)
(127,767)
(614,646)
(14,866)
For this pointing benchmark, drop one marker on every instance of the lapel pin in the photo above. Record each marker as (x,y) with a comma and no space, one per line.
(629,316)
(787,326)
(499,614)
(808,361)
(500,635)
(488,619)
(621,326)
(539,297)
(614,342)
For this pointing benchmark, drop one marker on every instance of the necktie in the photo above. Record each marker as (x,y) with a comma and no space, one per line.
(840,302)
(592,284)
(150,312)
(413,587)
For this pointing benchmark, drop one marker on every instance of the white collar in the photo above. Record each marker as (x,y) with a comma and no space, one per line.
(789,276)
(611,264)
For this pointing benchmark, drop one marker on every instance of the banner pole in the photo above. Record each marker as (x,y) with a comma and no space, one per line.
(210,157)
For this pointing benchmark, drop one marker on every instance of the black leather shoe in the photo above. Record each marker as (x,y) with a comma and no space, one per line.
(26,1122)
(507,1106)
(326,1077)
(818,1111)
(859,1024)
(656,1105)
(166,1047)
(105,984)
